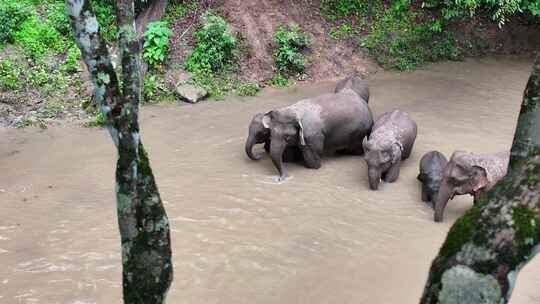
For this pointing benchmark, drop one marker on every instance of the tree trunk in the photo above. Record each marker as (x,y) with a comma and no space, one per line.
(143,223)
(487,247)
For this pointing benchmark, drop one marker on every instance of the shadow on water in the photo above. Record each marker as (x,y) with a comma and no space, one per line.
(238,237)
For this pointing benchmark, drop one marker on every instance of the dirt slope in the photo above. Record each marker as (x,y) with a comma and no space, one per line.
(257,20)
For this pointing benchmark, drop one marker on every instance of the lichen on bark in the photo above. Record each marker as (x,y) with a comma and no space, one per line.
(146,249)
(501,233)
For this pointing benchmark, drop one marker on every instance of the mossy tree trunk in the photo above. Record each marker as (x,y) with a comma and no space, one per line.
(486,248)
(143,223)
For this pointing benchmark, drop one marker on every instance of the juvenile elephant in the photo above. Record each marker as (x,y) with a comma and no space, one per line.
(258,134)
(469,173)
(390,142)
(317,126)
(355,83)
(432,165)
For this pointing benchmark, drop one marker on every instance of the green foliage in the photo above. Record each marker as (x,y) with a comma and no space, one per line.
(98,121)
(37,38)
(106,16)
(332,9)
(10,75)
(71,64)
(214,49)
(343,31)
(397,40)
(156,43)
(288,56)
(57,18)
(279,81)
(217,85)
(178,10)
(153,88)
(12,15)
(248,89)
(500,10)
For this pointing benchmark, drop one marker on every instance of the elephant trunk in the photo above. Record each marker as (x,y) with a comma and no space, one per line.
(250,142)
(276,153)
(374,175)
(445,193)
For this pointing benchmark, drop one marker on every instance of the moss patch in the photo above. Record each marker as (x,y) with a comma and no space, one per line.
(461,232)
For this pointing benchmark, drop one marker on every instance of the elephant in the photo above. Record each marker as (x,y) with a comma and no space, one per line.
(318,126)
(431,174)
(469,173)
(258,134)
(390,142)
(355,83)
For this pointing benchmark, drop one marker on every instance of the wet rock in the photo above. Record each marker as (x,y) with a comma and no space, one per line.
(190,93)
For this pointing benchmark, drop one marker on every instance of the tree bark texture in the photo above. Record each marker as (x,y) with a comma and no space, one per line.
(144,227)
(486,248)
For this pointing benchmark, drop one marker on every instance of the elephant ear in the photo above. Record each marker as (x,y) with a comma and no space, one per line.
(397,149)
(267,120)
(301,133)
(480,179)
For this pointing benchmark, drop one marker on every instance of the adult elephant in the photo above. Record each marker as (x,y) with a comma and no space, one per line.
(318,126)
(469,173)
(355,83)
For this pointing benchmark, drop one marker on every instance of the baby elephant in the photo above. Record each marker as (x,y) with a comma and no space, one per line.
(258,134)
(431,173)
(391,141)
(355,83)
(469,173)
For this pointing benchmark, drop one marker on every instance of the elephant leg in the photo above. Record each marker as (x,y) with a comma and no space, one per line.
(311,159)
(267,146)
(312,152)
(407,150)
(393,173)
(289,155)
(425,195)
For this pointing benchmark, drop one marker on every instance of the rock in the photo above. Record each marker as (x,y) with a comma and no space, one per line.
(190,93)
(176,77)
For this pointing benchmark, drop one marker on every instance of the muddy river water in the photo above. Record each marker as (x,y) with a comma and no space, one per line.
(238,237)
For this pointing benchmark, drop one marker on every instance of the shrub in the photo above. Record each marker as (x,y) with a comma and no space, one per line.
(215,46)
(396,40)
(156,42)
(334,8)
(98,121)
(152,88)
(106,16)
(36,38)
(279,81)
(288,56)
(71,64)
(500,10)
(12,15)
(248,89)
(9,76)
(57,18)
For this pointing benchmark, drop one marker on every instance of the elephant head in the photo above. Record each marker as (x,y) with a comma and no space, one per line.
(460,176)
(380,157)
(285,131)
(258,134)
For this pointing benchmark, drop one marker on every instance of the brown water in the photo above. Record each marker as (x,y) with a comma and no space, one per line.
(238,237)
